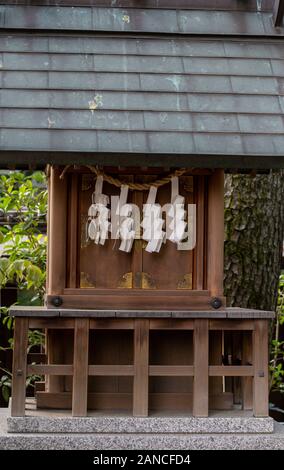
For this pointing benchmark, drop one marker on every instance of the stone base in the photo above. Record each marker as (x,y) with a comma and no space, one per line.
(219,431)
(150,425)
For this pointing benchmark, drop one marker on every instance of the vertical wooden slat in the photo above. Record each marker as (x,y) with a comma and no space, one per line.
(141,368)
(80,367)
(260,363)
(19,367)
(55,353)
(73,232)
(215,355)
(215,263)
(199,255)
(57,232)
(200,381)
(247,382)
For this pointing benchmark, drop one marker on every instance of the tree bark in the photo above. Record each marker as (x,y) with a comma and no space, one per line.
(254,221)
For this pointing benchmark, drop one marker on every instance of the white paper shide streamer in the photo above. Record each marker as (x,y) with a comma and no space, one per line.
(177,214)
(98,215)
(153,223)
(126,221)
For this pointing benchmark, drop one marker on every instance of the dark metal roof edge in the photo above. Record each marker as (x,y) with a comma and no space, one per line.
(279,33)
(20,158)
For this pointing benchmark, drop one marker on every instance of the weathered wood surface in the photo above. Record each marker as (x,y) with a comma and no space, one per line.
(230,313)
(19,367)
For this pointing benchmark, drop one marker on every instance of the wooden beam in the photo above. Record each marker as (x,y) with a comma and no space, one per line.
(171,371)
(201,380)
(260,363)
(247,382)
(171,324)
(19,367)
(80,377)
(50,369)
(215,263)
(231,371)
(55,324)
(57,233)
(231,325)
(278,12)
(112,370)
(141,368)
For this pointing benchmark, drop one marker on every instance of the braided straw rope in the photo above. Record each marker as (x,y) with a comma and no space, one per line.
(134,186)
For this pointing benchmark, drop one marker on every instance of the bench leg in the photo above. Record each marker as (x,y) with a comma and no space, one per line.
(80,367)
(19,366)
(141,368)
(260,362)
(201,369)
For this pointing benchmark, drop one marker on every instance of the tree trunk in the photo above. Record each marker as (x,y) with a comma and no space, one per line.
(254,221)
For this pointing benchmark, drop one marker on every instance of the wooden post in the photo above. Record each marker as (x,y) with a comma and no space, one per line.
(141,368)
(199,252)
(57,233)
(200,381)
(247,382)
(72,234)
(215,266)
(260,362)
(80,367)
(19,366)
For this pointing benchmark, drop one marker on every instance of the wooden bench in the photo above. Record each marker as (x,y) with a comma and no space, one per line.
(253,370)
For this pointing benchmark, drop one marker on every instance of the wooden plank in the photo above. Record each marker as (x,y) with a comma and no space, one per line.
(45,323)
(141,368)
(171,371)
(231,371)
(57,233)
(247,382)
(80,377)
(201,356)
(171,324)
(117,324)
(111,370)
(72,231)
(231,325)
(260,363)
(278,12)
(19,367)
(199,252)
(146,300)
(215,263)
(135,293)
(50,369)
(123,401)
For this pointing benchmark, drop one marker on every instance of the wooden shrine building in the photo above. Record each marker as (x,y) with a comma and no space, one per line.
(141,102)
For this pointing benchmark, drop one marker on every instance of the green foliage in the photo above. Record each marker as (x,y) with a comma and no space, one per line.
(277,346)
(23,257)
(23,208)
